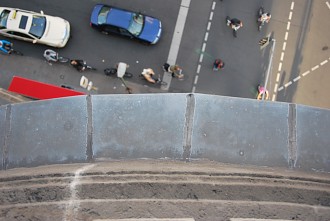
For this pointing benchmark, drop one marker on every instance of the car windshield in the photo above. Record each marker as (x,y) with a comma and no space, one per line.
(38,26)
(136,24)
(3,18)
(102,18)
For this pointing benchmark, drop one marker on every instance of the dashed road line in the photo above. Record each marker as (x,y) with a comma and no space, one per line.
(296,79)
(282,56)
(302,75)
(198,69)
(288,26)
(284,46)
(206,36)
(209,23)
(324,62)
(292,6)
(286,36)
(305,73)
(196,79)
(315,67)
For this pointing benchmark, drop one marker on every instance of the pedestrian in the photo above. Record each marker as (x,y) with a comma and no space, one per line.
(218,64)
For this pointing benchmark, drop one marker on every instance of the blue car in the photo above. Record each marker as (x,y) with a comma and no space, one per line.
(113,20)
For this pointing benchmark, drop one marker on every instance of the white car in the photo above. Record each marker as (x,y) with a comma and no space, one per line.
(34,27)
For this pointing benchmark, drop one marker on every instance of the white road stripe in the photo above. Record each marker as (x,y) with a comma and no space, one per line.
(281,88)
(280,66)
(284,46)
(204,46)
(193,90)
(292,5)
(328,4)
(288,84)
(196,79)
(274,97)
(288,26)
(278,77)
(315,67)
(198,69)
(290,15)
(305,73)
(201,58)
(296,79)
(211,16)
(324,62)
(206,36)
(286,36)
(208,26)
(275,88)
(213,5)
(282,56)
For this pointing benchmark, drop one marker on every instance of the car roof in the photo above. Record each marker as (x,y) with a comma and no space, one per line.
(14,20)
(119,17)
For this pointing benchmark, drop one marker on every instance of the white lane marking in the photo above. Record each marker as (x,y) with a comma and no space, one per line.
(275,88)
(296,79)
(208,26)
(305,73)
(292,5)
(193,89)
(203,47)
(315,67)
(211,16)
(280,88)
(288,84)
(328,4)
(201,58)
(206,36)
(324,62)
(273,97)
(283,52)
(282,56)
(176,40)
(280,66)
(196,79)
(213,5)
(278,77)
(288,26)
(284,46)
(198,69)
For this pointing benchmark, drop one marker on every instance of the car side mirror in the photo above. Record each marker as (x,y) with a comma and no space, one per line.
(34,41)
(41,12)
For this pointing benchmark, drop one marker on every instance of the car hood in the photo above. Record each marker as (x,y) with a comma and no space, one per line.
(57,31)
(152,30)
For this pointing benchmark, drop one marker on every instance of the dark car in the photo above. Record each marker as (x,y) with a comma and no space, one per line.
(108,20)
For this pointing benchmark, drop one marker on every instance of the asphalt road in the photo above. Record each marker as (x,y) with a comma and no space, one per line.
(301,45)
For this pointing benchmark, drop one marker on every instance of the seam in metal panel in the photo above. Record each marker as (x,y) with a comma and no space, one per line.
(7,133)
(292,145)
(89,147)
(188,127)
